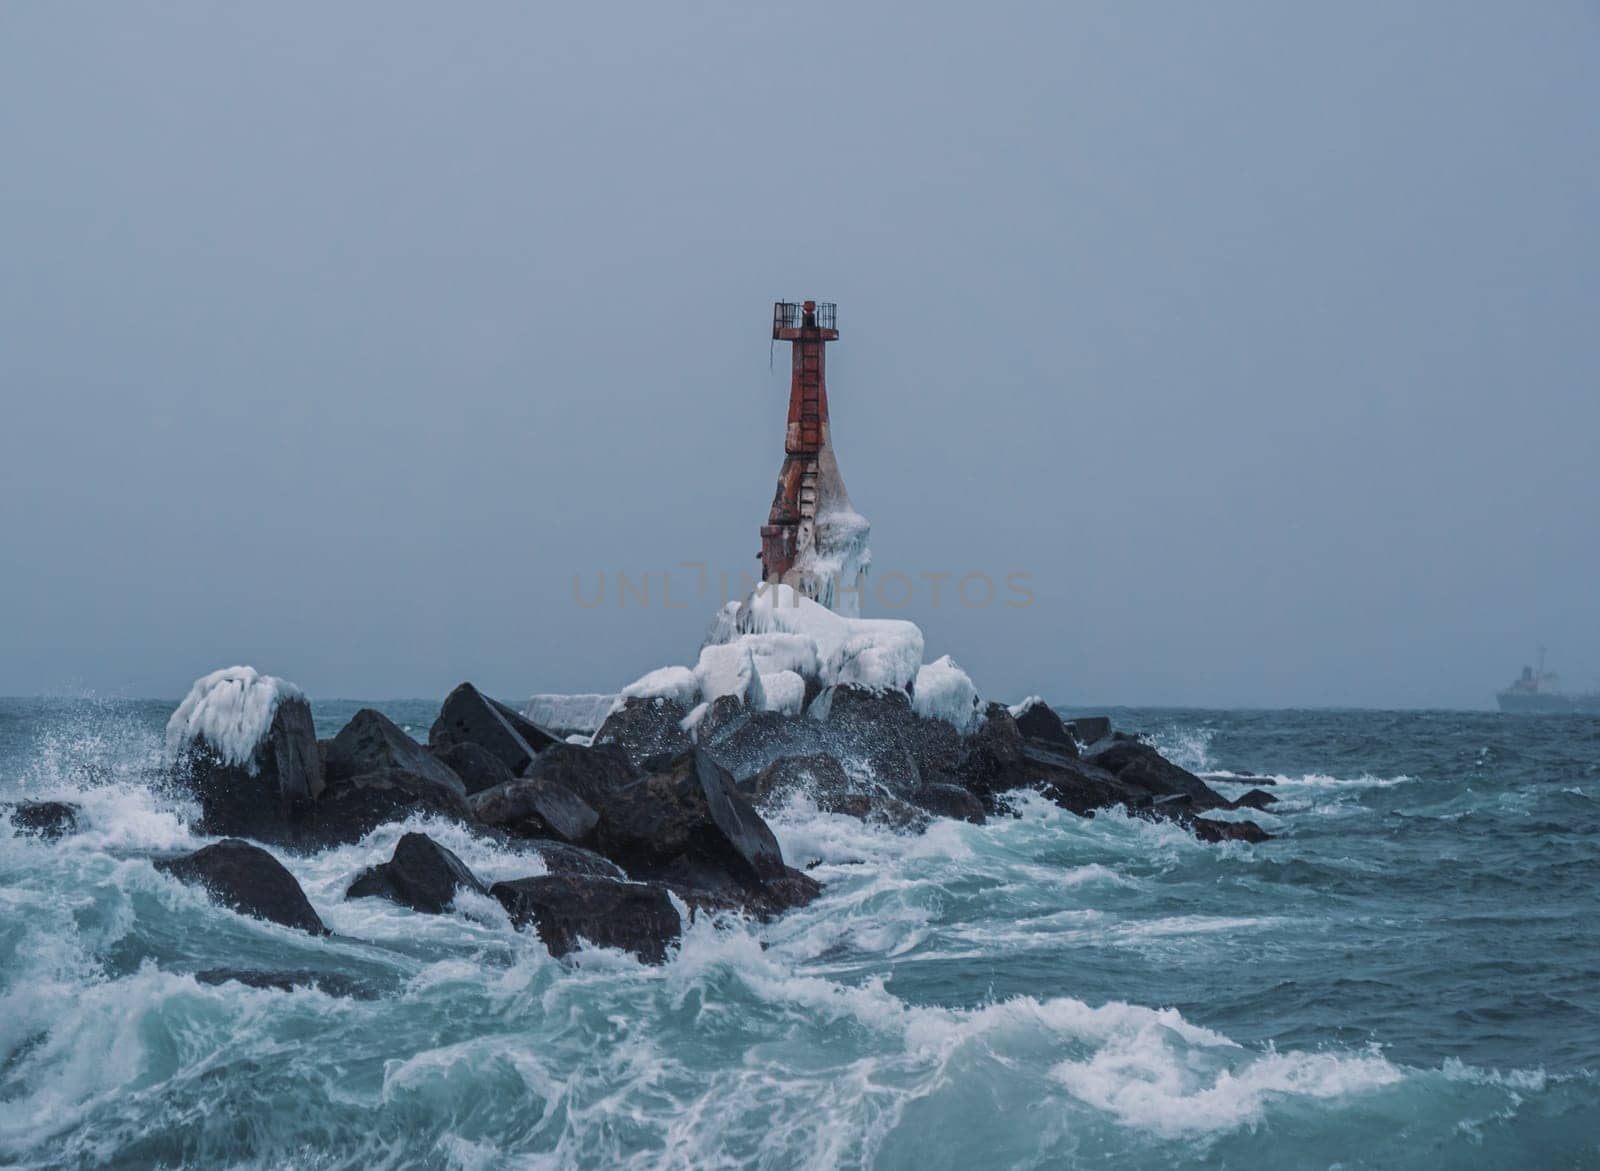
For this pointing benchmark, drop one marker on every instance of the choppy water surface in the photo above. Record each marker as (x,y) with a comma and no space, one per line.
(1405,977)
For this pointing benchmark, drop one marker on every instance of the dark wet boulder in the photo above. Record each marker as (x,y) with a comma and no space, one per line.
(565,858)
(749,743)
(422,875)
(1079,786)
(1212,830)
(816,775)
(568,908)
(532,807)
(989,758)
(690,827)
(645,728)
(477,767)
(371,743)
(1087,730)
(721,716)
(1255,799)
(247,879)
(949,800)
(469,716)
(263,797)
(1038,721)
(376,774)
(1143,769)
(592,773)
(43,819)
(878,730)
(353,808)
(822,780)
(330,983)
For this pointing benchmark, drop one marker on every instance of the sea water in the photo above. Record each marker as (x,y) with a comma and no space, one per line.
(1408,975)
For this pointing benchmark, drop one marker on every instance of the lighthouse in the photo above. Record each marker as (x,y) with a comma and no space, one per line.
(814,539)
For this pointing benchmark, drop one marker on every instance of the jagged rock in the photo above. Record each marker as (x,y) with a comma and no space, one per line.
(822,779)
(565,908)
(948,800)
(44,819)
(592,773)
(373,743)
(1211,830)
(422,875)
(1254,799)
(470,716)
(992,751)
(1139,766)
(331,983)
(721,716)
(1088,730)
(264,803)
(749,743)
(534,807)
(644,728)
(1039,721)
(691,828)
(477,767)
(879,729)
(249,880)
(817,775)
(377,773)
(565,858)
(353,808)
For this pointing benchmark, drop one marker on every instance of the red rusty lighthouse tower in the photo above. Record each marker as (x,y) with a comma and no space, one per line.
(813,538)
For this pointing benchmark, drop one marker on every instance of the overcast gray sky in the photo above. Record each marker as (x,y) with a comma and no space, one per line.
(336,339)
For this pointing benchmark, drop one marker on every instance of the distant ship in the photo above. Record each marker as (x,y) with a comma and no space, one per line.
(1538,692)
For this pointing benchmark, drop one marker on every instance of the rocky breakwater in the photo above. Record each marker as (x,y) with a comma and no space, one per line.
(660,810)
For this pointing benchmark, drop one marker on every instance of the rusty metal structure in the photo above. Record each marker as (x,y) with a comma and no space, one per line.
(808,468)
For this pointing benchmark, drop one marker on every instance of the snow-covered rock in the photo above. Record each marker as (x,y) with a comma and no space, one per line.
(230,711)
(944,692)
(677,684)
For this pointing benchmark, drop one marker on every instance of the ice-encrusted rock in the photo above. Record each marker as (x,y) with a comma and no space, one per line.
(674,684)
(247,879)
(422,875)
(244,744)
(729,669)
(944,691)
